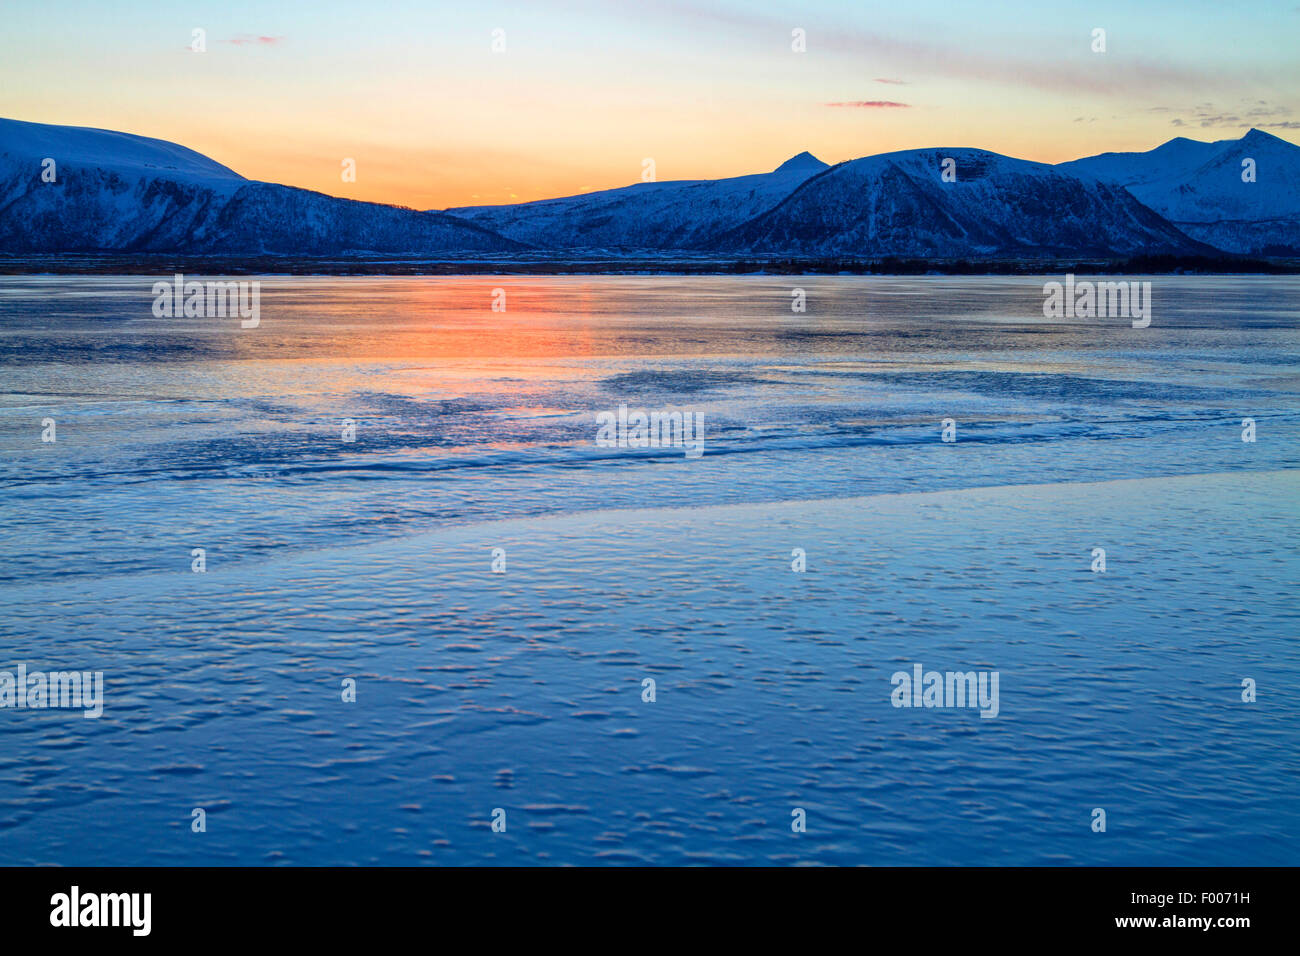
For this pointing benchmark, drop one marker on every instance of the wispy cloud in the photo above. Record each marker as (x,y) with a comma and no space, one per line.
(1046,71)
(1212,116)
(250,39)
(873,104)
(883,79)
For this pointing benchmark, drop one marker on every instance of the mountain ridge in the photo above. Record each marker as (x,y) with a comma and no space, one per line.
(124,193)
(119,192)
(1241,196)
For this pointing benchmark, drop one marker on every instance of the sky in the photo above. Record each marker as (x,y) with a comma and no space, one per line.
(584,92)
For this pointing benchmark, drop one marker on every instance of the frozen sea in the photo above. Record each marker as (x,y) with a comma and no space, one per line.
(372,561)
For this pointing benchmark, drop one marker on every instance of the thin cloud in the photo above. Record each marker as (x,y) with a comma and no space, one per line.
(1046,71)
(873,104)
(249,39)
(882,79)
(1211,116)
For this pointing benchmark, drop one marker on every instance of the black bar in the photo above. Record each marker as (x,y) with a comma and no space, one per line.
(334,906)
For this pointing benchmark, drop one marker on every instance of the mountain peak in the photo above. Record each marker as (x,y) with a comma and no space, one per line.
(1259,136)
(805,162)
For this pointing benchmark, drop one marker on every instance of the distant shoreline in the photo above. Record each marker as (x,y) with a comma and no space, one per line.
(160,264)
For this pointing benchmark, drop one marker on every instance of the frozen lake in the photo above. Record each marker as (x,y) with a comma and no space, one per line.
(371,560)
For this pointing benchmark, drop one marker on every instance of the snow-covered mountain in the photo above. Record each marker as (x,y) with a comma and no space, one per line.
(901,204)
(896,204)
(685,215)
(1200,188)
(123,153)
(118,192)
